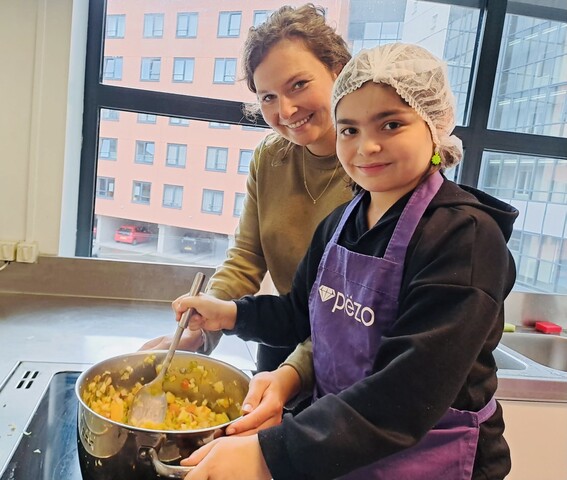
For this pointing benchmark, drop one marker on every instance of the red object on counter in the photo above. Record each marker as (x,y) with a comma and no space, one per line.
(547,327)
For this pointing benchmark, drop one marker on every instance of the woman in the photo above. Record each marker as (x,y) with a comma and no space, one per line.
(290,63)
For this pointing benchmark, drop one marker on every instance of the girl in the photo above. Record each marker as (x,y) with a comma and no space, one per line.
(402,291)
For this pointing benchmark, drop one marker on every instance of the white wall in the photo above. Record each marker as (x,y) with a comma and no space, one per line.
(41,84)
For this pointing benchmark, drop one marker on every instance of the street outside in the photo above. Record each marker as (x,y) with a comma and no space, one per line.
(146,252)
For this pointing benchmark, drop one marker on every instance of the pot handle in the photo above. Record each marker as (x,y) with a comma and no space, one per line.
(163,470)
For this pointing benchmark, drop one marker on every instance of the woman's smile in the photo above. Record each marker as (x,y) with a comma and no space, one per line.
(299,123)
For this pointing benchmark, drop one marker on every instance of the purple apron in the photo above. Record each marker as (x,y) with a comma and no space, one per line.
(353,301)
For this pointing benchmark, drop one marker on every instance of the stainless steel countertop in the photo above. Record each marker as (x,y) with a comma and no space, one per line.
(83,330)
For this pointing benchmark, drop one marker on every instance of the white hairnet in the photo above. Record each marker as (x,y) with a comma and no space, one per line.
(419,78)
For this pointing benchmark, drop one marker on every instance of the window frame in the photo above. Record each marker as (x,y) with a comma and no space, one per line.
(148,65)
(155,33)
(240,170)
(476,137)
(217,151)
(190,15)
(176,188)
(228,78)
(112,148)
(120,26)
(110,181)
(141,158)
(117,62)
(231,31)
(214,193)
(185,61)
(181,150)
(141,184)
(238,197)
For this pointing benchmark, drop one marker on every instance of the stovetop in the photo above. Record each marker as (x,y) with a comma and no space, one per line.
(38,422)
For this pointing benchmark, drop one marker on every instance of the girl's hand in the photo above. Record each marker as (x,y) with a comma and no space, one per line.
(234,458)
(267,394)
(211,313)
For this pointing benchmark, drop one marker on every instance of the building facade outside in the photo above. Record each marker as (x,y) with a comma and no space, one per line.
(179,176)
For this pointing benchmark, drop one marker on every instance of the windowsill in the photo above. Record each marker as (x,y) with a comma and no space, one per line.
(99,278)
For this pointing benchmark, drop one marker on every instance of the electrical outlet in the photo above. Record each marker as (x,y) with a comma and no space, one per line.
(8,250)
(27,252)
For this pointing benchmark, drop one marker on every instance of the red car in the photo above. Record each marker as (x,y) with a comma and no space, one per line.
(132,234)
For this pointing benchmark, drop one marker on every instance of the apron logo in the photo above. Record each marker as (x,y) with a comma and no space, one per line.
(364,315)
(326,293)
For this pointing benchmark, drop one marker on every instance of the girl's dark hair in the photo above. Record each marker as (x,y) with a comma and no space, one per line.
(306,23)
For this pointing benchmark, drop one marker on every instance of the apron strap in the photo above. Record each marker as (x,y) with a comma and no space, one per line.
(487,411)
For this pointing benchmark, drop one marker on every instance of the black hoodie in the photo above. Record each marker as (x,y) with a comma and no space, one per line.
(437,354)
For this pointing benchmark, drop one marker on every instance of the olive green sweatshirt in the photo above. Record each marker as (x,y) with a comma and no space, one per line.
(278,219)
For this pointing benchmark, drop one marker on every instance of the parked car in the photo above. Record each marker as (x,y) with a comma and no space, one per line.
(197,242)
(132,234)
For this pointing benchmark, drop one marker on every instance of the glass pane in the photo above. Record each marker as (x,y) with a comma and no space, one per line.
(194,47)
(156,201)
(537,187)
(530,94)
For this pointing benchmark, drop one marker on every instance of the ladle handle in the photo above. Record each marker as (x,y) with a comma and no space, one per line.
(195,289)
(182,324)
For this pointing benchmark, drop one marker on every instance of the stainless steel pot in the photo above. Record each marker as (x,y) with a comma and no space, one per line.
(111,450)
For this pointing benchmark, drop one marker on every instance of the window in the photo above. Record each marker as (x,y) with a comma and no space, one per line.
(107,148)
(112,69)
(217,158)
(244,161)
(371,34)
(229,24)
(537,186)
(172,196)
(153,25)
(252,128)
(141,192)
(115,26)
(150,69)
(176,155)
(219,125)
(530,94)
(187,25)
(180,122)
(107,114)
(212,201)
(519,47)
(105,187)
(183,69)
(260,16)
(147,118)
(238,204)
(145,152)
(225,70)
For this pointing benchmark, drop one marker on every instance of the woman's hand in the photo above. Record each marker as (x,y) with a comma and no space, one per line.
(191,341)
(211,313)
(267,394)
(234,458)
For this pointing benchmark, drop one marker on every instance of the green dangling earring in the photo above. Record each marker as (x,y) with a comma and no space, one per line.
(436,159)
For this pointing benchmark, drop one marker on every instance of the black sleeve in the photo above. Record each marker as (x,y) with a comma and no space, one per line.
(284,320)
(458,272)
